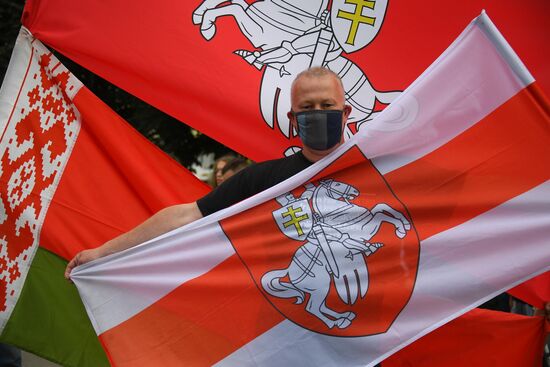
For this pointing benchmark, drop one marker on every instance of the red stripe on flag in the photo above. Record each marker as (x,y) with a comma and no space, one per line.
(198,323)
(502,156)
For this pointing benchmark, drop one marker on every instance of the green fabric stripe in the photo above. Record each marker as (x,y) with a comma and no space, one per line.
(49,319)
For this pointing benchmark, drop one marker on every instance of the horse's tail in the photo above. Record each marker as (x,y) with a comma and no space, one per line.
(271,282)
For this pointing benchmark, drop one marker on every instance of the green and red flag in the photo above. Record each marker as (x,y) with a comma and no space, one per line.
(72,175)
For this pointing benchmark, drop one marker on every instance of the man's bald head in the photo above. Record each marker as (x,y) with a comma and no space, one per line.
(316,72)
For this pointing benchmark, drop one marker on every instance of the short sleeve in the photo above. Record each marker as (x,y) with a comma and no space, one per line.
(231,191)
(251,181)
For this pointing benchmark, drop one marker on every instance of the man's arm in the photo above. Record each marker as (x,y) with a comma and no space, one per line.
(163,221)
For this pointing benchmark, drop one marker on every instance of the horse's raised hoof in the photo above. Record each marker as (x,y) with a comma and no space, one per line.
(343,323)
(349,315)
(400,232)
(197,18)
(209,32)
(198,13)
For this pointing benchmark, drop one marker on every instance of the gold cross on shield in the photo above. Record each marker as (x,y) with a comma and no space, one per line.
(294,220)
(357,17)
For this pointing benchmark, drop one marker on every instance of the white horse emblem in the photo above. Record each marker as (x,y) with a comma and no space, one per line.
(337,234)
(291,35)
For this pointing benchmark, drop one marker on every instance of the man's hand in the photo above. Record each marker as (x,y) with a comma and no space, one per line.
(81,258)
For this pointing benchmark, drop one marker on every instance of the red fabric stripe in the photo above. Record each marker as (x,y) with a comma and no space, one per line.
(535,292)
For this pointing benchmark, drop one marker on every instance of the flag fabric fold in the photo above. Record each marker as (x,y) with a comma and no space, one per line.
(73,175)
(438,205)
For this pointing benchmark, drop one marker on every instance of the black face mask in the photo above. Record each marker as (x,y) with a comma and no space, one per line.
(320,129)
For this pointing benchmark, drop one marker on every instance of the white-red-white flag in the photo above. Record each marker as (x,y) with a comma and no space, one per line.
(73,174)
(438,205)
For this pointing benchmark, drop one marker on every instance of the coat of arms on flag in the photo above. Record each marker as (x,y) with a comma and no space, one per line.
(330,248)
(356,22)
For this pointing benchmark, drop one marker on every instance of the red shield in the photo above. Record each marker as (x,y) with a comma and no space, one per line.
(263,248)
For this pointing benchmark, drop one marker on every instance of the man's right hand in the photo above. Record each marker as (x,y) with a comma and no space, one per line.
(82,257)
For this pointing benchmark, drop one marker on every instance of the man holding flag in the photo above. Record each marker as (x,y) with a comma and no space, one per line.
(319,114)
(446,225)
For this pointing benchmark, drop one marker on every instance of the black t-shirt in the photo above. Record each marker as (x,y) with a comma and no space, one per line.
(250,181)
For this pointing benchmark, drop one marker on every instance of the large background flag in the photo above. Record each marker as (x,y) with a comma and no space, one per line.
(226,67)
(72,175)
(408,234)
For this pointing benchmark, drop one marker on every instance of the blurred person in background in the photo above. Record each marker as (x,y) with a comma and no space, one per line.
(233,166)
(216,178)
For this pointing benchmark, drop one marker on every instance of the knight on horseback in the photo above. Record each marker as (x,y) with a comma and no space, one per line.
(337,234)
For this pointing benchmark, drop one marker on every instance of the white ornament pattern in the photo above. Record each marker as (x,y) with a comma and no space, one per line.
(38,134)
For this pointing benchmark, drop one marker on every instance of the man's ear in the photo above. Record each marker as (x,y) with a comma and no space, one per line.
(347,111)
(292,118)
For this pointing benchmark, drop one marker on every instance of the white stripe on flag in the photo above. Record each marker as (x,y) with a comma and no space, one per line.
(519,229)
(464,85)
